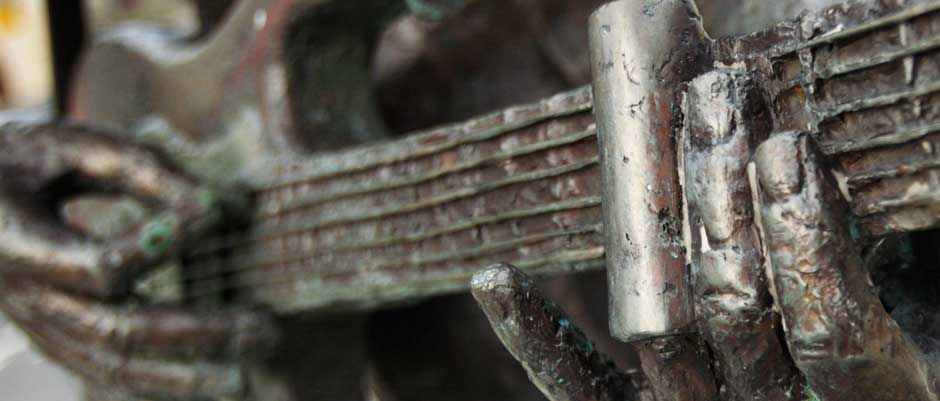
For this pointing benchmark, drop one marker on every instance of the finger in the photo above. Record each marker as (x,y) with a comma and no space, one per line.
(44,152)
(727,272)
(35,246)
(140,250)
(839,334)
(39,243)
(559,359)
(40,248)
(138,376)
(678,368)
(138,171)
(164,331)
(103,216)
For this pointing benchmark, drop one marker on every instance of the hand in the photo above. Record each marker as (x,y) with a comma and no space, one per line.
(71,293)
(839,334)
(565,365)
(832,316)
(841,340)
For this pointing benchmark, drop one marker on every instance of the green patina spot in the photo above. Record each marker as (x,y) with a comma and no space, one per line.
(580,340)
(208,199)
(853,230)
(587,344)
(157,236)
(425,9)
(810,394)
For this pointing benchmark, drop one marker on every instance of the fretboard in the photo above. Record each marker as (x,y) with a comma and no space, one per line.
(416,217)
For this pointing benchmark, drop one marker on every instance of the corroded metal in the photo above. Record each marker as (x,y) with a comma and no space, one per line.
(858,78)
(641,53)
(415,217)
(300,199)
(504,155)
(563,363)
(725,118)
(34,245)
(62,284)
(418,216)
(862,79)
(840,336)
(678,368)
(238,102)
(559,359)
(364,207)
(349,182)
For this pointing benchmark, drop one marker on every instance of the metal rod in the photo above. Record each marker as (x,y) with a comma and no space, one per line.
(641,54)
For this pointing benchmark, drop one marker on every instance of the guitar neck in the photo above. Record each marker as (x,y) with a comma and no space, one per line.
(418,216)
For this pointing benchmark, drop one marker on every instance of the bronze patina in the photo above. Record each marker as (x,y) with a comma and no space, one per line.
(739,192)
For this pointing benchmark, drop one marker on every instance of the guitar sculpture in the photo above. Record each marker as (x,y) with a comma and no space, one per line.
(727,186)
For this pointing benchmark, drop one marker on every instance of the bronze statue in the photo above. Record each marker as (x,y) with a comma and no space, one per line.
(728,187)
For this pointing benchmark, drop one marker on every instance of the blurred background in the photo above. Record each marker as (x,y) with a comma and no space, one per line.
(25,57)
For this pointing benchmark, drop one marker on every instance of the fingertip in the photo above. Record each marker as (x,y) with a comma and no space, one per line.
(493,275)
(497,282)
(122,261)
(779,169)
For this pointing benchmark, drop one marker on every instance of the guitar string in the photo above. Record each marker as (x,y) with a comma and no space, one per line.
(281,257)
(447,198)
(219,243)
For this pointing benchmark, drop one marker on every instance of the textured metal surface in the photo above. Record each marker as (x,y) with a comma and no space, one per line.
(399,221)
(559,359)
(840,335)
(866,87)
(859,79)
(67,287)
(641,53)
(416,217)
(725,119)
(216,102)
